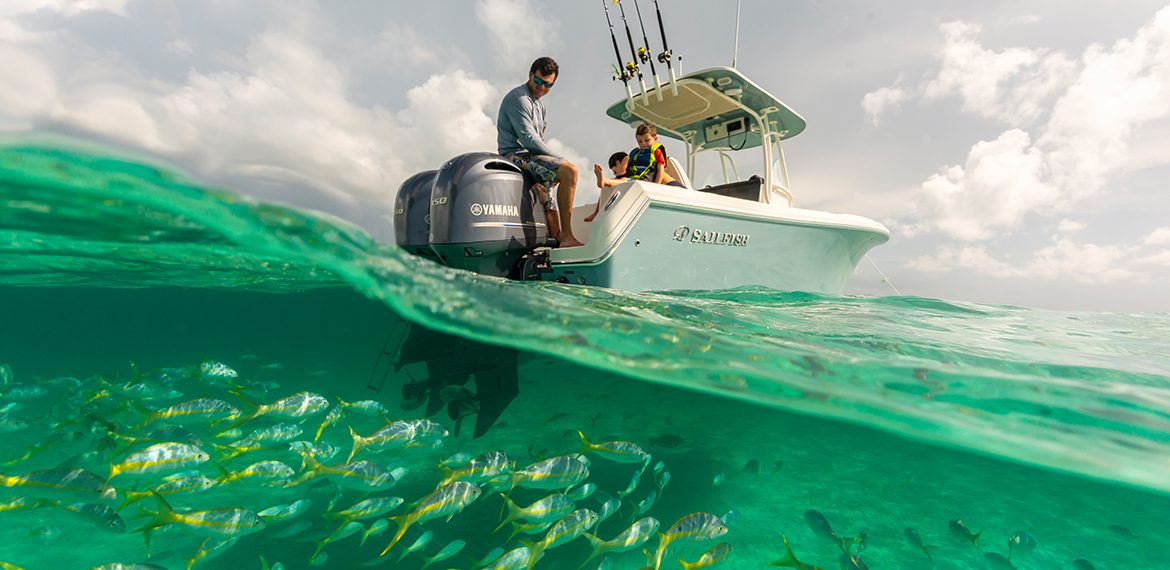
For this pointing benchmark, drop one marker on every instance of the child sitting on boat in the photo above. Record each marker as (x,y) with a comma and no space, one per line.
(647,163)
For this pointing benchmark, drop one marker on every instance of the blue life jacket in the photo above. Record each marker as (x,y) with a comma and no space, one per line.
(642,162)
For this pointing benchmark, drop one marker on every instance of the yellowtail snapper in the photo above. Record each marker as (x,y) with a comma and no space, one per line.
(788,559)
(821,527)
(215,523)
(482,468)
(420,543)
(565,531)
(694,527)
(361,475)
(160,459)
(61,485)
(711,559)
(916,541)
(210,548)
(285,512)
(555,473)
(443,502)
(633,537)
(619,451)
(964,534)
(452,548)
(548,509)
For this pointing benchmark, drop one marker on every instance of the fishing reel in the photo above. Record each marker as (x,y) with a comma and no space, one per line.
(643,55)
(616,74)
(631,69)
(665,56)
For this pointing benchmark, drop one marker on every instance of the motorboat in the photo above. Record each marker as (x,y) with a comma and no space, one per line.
(477,211)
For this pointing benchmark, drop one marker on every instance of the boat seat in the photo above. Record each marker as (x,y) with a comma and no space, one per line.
(675,170)
(744,190)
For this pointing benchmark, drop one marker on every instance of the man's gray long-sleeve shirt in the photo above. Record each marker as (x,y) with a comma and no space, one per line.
(520,125)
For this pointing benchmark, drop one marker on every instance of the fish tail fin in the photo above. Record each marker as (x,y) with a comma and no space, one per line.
(131,498)
(687,565)
(164,517)
(535,550)
(250,410)
(403,523)
(147,415)
(359,443)
(788,559)
(225,476)
(927,550)
(513,513)
(311,469)
(448,475)
(585,445)
(848,543)
(598,548)
(663,542)
(190,562)
(975,540)
(264,564)
(320,545)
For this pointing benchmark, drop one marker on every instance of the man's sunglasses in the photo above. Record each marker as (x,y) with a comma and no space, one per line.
(541,82)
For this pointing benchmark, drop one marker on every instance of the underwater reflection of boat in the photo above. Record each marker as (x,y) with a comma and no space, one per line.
(451,363)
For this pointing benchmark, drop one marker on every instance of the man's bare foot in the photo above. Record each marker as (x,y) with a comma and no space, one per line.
(590,217)
(597,173)
(569,241)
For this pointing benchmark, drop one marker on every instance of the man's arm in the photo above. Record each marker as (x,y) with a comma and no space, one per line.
(523,117)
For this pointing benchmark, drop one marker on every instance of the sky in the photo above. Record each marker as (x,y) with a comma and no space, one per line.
(1019,152)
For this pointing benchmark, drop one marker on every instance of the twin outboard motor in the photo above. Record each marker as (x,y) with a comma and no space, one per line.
(412,213)
(483,215)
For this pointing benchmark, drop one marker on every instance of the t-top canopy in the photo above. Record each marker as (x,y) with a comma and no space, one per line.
(716,108)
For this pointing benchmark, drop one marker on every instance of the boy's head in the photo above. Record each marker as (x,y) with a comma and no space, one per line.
(646,135)
(619,162)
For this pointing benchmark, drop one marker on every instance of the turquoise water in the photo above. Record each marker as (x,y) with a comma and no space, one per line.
(886,413)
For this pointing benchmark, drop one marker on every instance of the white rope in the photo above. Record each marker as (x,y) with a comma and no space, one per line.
(885,279)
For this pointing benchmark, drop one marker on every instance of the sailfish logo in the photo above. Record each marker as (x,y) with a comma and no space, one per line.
(681,233)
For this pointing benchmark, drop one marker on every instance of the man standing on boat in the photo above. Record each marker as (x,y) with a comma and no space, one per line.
(520,136)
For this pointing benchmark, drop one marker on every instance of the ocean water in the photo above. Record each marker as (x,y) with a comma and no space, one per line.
(880,413)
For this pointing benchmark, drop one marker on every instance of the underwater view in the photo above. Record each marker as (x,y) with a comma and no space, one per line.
(193,379)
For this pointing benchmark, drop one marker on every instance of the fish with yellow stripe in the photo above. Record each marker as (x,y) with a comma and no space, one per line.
(482,468)
(61,485)
(618,451)
(445,501)
(295,407)
(361,475)
(565,531)
(711,559)
(693,527)
(201,411)
(215,523)
(633,537)
(553,473)
(549,509)
(160,459)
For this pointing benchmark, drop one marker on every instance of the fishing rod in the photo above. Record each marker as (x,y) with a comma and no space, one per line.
(644,53)
(618,70)
(665,56)
(633,65)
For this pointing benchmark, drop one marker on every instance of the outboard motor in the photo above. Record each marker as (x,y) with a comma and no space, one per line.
(412,213)
(484,215)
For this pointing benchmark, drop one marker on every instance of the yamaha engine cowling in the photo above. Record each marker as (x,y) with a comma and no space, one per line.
(412,213)
(484,214)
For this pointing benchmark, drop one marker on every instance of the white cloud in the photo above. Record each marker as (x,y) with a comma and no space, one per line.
(180,47)
(519,32)
(1160,236)
(66,7)
(1086,263)
(877,102)
(1066,225)
(1001,181)
(1084,141)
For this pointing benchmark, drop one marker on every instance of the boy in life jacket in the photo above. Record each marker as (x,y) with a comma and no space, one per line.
(646,163)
